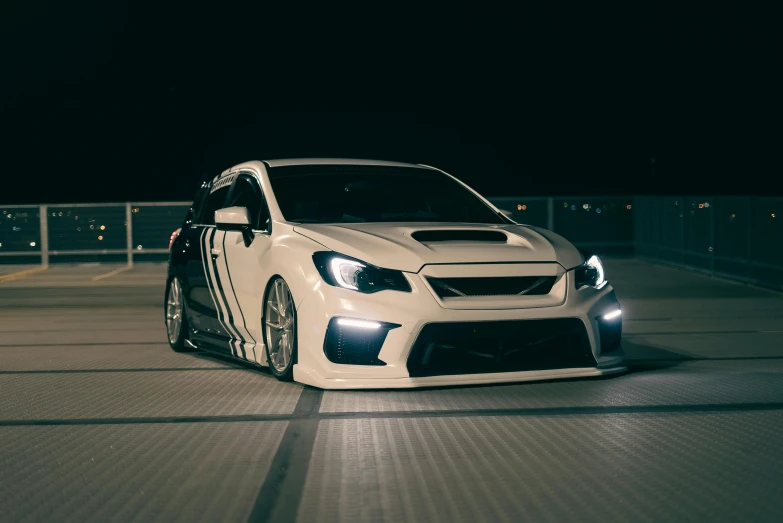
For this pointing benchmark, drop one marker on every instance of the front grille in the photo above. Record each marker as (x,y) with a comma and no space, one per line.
(494,286)
(354,346)
(443,349)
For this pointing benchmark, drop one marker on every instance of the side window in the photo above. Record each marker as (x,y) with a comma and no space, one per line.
(214,202)
(246,193)
(198,204)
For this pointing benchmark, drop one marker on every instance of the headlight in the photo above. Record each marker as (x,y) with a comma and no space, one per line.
(590,274)
(350,273)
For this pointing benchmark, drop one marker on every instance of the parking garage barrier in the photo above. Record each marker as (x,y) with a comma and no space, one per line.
(727,236)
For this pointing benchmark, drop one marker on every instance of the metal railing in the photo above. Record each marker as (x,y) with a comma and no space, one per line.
(735,237)
(114,232)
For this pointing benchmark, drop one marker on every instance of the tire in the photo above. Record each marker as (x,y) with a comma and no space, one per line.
(280,330)
(174,315)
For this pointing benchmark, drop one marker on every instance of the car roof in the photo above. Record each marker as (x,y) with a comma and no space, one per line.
(335,161)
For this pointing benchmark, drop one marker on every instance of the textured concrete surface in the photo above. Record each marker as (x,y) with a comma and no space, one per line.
(101,421)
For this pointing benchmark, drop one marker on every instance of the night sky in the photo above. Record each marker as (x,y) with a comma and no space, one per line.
(118,101)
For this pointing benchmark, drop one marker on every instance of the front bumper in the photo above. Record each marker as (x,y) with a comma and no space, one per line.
(412,311)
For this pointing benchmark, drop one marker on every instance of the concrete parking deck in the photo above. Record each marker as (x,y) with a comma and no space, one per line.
(100,420)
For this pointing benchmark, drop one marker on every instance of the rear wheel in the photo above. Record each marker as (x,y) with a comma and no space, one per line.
(280,330)
(176,322)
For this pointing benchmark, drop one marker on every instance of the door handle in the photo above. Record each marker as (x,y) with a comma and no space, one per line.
(215,252)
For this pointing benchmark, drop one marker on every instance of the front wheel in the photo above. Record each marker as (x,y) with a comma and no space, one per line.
(176,322)
(280,330)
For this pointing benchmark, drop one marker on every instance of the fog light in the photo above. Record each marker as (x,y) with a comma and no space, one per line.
(610,330)
(359,324)
(355,342)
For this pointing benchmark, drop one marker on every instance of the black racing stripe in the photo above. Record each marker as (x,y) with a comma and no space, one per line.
(205,256)
(223,295)
(240,337)
(239,306)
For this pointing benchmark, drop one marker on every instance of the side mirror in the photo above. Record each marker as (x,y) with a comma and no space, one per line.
(235,219)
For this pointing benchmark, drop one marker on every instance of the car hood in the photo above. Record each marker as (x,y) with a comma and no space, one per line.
(409,247)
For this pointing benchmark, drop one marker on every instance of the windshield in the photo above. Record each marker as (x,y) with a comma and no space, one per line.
(358,193)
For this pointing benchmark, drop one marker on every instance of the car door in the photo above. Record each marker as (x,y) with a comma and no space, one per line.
(243,266)
(187,255)
(204,292)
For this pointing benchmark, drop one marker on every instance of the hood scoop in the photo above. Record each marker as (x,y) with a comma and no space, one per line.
(459,235)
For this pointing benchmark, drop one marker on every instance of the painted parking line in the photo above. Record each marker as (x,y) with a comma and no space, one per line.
(21,274)
(112,273)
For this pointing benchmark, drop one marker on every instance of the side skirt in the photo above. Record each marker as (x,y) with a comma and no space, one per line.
(216,345)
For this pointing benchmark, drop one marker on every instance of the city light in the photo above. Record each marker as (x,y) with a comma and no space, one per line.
(103,227)
(628,206)
(100,238)
(32,244)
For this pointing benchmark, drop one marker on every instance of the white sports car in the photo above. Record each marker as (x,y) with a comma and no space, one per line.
(369,274)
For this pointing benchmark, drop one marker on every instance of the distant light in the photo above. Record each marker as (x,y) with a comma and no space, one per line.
(628,206)
(573,207)
(701,206)
(75,217)
(565,204)
(612,315)
(32,244)
(92,226)
(598,210)
(586,206)
(8,215)
(773,214)
(360,324)
(78,229)
(676,203)
(521,207)
(100,238)
(103,227)
(706,204)
(1,244)
(732,216)
(138,247)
